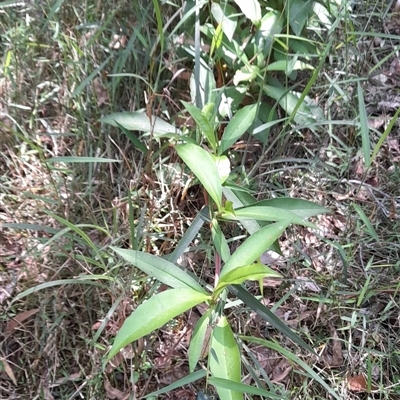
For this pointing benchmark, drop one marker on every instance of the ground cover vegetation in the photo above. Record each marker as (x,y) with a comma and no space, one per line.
(199,200)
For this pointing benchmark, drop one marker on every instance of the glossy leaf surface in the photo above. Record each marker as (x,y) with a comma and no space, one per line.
(153,314)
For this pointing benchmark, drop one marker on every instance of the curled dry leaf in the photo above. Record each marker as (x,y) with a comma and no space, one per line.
(333,354)
(19,319)
(114,393)
(272,258)
(357,383)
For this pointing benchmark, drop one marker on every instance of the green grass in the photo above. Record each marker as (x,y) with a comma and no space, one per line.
(65,66)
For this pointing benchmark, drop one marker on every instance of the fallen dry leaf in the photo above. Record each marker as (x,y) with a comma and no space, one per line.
(8,370)
(357,383)
(337,353)
(394,67)
(18,319)
(47,393)
(114,393)
(376,123)
(275,366)
(333,358)
(118,42)
(114,362)
(100,91)
(373,181)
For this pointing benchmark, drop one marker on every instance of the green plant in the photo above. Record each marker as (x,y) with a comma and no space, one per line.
(265,221)
(206,154)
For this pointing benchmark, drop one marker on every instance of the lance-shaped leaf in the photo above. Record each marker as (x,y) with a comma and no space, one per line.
(198,342)
(243,388)
(202,122)
(139,121)
(300,207)
(255,245)
(253,272)
(202,164)
(224,361)
(238,125)
(153,314)
(250,8)
(268,315)
(161,269)
(306,113)
(219,240)
(265,213)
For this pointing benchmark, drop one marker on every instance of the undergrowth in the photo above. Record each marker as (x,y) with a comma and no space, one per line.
(144,137)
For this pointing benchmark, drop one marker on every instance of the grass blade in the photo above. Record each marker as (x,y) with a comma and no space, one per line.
(366,144)
(243,388)
(268,316)
(294,358)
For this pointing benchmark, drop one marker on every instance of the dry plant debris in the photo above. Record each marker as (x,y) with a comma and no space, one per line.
(44,340)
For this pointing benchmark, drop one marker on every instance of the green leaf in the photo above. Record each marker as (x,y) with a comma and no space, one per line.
(365,137)
(239,124)
(302,208)
(271,24)
(245,74)
(224,361)
(253,272)
(202,164)
(289,355)
(231,98)
(159,268)
(139,121)
(73,159)
(209,111)
(132,137)
(299,12)
(193,377)
(385,134)
(283,65)
(241,198)
(81,280)
(255,245)
(204,86)
(219,241)
(306,113)
(251,9)
(268,316)
(189,235)
(367,222)
(153,314)
(217,39)
(197,341)
(202,122)
(223,166)
(225,18)
(243,388)
(266,213)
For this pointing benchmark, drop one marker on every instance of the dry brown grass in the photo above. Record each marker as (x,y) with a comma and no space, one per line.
(341,287)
